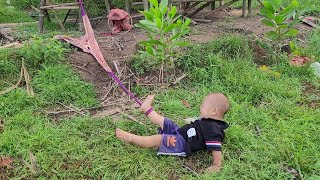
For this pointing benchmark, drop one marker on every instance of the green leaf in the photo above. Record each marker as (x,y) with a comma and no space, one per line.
(267,22)
(154,3)
(286,11)
(172,12)
(272,35)
(295,3)
(267,14)
(187,22)
(181,44)
(291,33)
(279,19)
(163,4)
(148,24)
(292,46)
(147,15)
(149,50)
(276,4)
(268,6)
(158,22)
(169,28)
(283,26)
(151,41)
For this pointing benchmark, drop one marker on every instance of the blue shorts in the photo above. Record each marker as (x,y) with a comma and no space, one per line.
(172,142)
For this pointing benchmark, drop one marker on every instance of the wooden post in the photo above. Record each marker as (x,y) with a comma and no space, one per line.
(221,3)
(41,16)
(80,22)
(250,7)
(213,5)
(145,5)
(244,4)
(127,4)
(199,9)
(107,6)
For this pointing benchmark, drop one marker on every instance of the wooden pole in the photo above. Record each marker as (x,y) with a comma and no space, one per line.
(221,3)
(41,16)
(200,8)
(107,6)
(219,8)
(244,4)
(80,20)
(145,5)
(213,5)
(250,7)
(127,4)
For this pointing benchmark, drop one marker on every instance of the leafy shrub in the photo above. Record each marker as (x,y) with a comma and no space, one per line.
(60,84)
(164,32)
(277,19)
(40,50)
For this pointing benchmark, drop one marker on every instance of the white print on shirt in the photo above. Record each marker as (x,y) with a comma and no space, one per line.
(191,132)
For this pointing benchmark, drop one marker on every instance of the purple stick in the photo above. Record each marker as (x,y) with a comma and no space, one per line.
(83,12)
(114,77)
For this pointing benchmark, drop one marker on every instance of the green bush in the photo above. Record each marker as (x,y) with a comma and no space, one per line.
(164,31)
(60,84)
(39,50)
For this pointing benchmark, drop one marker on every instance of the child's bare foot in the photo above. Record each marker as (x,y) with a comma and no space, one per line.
(147,103)
(123,135)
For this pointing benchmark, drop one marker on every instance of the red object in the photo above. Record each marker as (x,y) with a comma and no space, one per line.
(120,20)
(298,60)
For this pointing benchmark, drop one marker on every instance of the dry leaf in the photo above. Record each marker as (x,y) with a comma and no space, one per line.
(185,103)
(5,162)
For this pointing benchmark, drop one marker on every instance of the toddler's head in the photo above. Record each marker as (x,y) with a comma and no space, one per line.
(214,106)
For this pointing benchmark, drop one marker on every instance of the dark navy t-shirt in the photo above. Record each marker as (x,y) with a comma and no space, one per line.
(204,134)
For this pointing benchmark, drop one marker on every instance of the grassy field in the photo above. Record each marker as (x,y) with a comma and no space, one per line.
(85,147)
(284,108)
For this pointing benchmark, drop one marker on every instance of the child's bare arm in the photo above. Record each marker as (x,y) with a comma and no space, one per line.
(216,163)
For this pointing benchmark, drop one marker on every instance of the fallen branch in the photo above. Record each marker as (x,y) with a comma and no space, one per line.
(27,79)
(12,45)
(74,109)
(179,79)
(17,24)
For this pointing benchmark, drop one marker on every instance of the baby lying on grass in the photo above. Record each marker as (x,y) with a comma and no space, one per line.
(205,133)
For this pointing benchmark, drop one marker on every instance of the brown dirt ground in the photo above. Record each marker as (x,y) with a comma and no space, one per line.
(311,90)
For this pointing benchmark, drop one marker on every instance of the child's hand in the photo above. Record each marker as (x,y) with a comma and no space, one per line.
(213,168)
(147,103)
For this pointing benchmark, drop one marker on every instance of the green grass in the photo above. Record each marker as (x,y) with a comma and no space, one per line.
(86,147)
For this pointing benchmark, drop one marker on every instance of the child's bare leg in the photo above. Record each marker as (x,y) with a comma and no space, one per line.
(153,116)
(142,141)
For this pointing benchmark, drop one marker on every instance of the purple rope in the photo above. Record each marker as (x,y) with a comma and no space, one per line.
(83,12)
(111,74)
(114,77)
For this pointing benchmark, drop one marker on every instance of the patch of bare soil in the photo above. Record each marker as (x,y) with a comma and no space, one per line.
(260,55)
(311,90)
